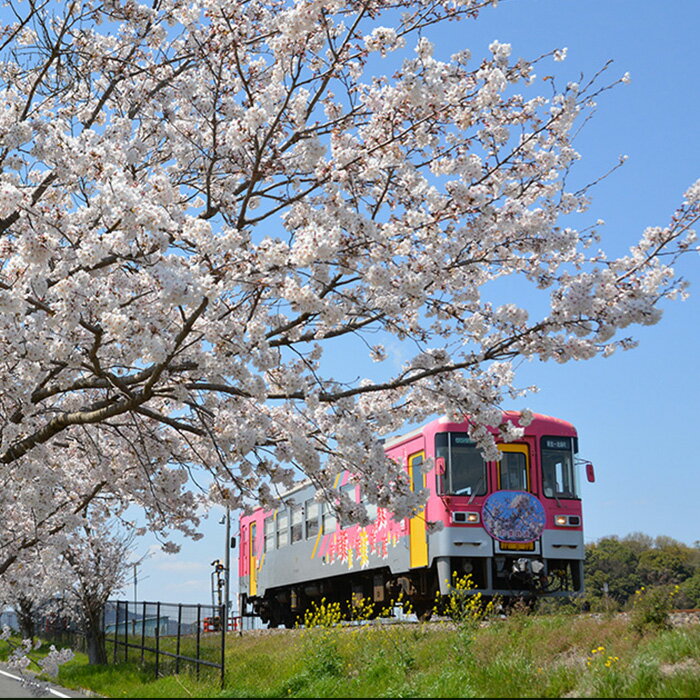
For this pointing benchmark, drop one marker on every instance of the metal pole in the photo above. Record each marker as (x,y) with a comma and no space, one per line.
(126,631)
(199,630)
(157,637)
(227,563)
(143,630)
(222,611)
(179,636)
(116,633)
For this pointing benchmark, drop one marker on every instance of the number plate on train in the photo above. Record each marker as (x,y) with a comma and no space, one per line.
(519,546)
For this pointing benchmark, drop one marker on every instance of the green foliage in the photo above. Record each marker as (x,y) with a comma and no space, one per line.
(651,608)
(466,609)
(616,568)
(690,591)
(611,570)
(672,564)
(560,606)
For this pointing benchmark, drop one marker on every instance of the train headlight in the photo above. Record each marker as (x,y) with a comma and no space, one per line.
(567,520)
(467,517)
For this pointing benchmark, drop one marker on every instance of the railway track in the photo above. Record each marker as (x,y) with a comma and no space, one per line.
(677,617)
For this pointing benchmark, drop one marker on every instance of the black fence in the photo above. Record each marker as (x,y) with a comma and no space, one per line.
(172,637)
(167,637)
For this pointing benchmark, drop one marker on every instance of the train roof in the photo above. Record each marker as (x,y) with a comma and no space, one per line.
(538,423)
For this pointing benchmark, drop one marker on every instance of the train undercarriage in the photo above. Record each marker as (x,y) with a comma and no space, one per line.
(378,592)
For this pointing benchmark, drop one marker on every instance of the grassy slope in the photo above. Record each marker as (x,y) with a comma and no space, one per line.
(523,656)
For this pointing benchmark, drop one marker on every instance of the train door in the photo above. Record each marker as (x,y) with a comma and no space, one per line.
(253,562)
(418,536)
(514,472)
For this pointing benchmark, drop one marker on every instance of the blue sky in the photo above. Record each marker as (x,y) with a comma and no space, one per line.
(635,411)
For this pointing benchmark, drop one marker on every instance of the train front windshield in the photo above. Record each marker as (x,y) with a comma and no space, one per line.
(558,473)
(465,469)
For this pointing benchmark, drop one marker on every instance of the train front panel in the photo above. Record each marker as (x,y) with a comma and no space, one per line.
(515,525)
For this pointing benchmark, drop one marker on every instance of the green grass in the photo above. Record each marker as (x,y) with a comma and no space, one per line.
(523,656)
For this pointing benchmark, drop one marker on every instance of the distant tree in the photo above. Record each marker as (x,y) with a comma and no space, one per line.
(611,570)
(71,585)
(670,563)
(638,542)
(26,610)
(690,591)
(623,566)
(32,589)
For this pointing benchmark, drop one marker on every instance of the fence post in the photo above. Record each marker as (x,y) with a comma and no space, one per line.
(179,626)
(223,609)
(157,637)
(103,632)
(126,631)
(199,632)
(116,632)
(143,630)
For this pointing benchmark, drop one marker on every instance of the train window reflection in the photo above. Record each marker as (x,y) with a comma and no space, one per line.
(558,474)
(465,469)
(351,490)
(269,533)
(297,522)
(311,511)
(328,519)
(371,508)
(282,531)
(513,472)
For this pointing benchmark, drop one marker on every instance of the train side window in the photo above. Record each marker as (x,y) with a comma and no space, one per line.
(371,508)
(269,533)
(253,540)
(351,491)
(283,528)
(558,473)
(465,469)
(417,476)
(311,511)
(297,513)
(513,471)
(328,519)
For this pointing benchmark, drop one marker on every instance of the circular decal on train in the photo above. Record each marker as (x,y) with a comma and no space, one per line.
(513,516)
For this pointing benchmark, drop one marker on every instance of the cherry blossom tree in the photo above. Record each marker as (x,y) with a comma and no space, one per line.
(31,591)
(97,562)
(202,201)
(34,589)
(71,585)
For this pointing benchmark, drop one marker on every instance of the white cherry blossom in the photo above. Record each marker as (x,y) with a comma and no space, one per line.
(202,204)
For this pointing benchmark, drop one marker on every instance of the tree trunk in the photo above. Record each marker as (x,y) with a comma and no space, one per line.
(25,618)
(95,638)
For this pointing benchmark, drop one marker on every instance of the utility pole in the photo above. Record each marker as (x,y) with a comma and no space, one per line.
(227,574)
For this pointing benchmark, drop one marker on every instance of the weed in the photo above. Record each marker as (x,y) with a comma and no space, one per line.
(465,608)
(651,608)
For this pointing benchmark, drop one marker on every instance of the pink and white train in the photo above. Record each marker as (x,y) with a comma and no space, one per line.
(515,525)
